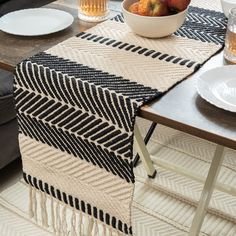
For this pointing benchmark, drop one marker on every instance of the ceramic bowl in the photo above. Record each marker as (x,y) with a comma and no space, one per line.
(152,26)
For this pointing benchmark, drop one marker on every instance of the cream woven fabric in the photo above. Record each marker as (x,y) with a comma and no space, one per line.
(163,206)
(76,106)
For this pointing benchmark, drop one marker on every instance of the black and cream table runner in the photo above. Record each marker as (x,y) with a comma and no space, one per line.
(76,107)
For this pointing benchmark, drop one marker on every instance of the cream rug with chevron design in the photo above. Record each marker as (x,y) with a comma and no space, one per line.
(162,207)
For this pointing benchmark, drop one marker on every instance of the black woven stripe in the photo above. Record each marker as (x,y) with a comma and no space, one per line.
(118,18)
(132,48)
(77,146)
(218,18)
(89,97)
(82,123)
(86,73)
(86,152)
(77,203)
(204,25)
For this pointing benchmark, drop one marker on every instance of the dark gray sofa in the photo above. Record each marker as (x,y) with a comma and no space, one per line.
(9,148)
(7,6)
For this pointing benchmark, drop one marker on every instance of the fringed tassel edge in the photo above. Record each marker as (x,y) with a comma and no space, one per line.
(58,214)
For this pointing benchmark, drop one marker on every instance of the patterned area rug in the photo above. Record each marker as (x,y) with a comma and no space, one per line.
(163,206)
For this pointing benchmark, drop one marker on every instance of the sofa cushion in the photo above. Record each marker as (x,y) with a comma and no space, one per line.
(7,110)
(2,1)
(13,5)
(9,143)
(6,83)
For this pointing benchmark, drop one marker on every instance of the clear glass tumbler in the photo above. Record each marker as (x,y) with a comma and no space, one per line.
(230,40)
(93,10)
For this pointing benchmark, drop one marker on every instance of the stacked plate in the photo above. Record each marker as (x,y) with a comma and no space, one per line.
(218,86)
(35,22)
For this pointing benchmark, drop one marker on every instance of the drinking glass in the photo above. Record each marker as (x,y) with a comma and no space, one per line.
(93,10)
(230,40)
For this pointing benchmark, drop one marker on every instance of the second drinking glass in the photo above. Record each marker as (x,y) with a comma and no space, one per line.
(230,40)
(93,10)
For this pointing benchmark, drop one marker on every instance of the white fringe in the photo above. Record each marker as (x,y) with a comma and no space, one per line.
(31,207)
(44,215)
(58,219)
(104,229)
(80,224)
(53,216)
(90,226)
(64,222)
(34,205)
(96,229)
(57,214)
(73,224)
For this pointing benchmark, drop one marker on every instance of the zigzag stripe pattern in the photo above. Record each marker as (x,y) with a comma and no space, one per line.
(128,88)
(72,120)
(76,146)
(52,158)
(180,47)
(204,25)
(206,17)
(83,101)
(138,49)
(139,69)
(34,78)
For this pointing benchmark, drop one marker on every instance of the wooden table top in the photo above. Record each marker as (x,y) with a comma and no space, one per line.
(13,49)
(181,108)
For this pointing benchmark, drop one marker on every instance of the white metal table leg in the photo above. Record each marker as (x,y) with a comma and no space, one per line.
(207,191)
(141,148)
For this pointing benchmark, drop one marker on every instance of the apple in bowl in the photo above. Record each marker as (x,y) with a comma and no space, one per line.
(154,18)
(152,8)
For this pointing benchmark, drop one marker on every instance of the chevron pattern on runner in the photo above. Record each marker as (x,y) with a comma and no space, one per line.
(179,47)
(71,120)
(76,146)
(81,117)
(127,88)
(136,49)
(81,97)
(67,164)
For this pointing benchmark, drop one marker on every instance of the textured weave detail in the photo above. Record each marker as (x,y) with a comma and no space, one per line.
(204,25)
(213,5)
(133,48)
(68,165)
(74,68)
(78,102)
(162,206)
(182,48)
(137,68)
(77,204)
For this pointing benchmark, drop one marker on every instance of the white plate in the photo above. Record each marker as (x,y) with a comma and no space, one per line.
(35,21)
(218,86)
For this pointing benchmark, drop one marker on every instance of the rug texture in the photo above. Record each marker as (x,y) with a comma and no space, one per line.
(76,106)
(162,207)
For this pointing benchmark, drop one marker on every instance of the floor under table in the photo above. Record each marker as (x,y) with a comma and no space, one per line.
(162,206)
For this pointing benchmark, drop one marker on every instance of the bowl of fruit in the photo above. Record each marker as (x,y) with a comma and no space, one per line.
(155,18)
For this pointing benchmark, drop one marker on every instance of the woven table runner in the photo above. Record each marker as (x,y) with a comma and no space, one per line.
(76,107)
